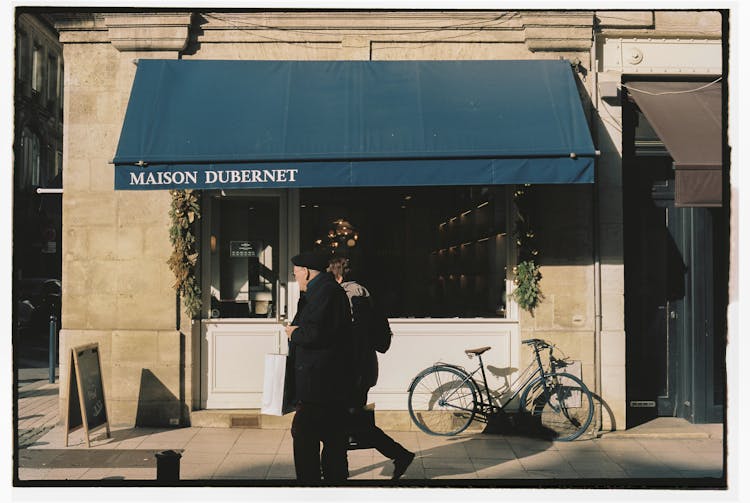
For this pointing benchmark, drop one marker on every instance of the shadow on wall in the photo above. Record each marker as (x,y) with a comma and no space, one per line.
(157,406)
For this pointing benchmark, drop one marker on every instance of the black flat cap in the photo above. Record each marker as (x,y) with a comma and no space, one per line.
(312,260)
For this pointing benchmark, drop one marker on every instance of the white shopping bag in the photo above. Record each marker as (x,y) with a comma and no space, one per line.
(273,385)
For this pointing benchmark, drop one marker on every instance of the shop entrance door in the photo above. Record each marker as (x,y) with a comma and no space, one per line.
(676,272)
(655,292)
(245,294)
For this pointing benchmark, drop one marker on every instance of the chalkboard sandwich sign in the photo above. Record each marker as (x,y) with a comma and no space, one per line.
(86,407)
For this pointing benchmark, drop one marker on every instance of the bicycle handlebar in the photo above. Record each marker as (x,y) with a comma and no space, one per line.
(537,343)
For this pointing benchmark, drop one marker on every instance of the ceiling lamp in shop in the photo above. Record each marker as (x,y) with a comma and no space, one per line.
(342,235)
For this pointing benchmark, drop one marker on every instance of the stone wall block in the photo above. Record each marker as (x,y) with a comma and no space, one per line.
(156,243)
(544,314)
(81,73)
(577,346)
(82,105)
(610,165)
(128,379)
(102,243)
(573,311)
(555,19)
(149,38)
(169,347)
(613,348)
(145,310)
(613,278)
(75,239)
(561,33)
(614,397)
(143,207)
(100,311)
(610,205)
(122,412)
(139,278)
(611,243)
(76,174)
(99,141)
(417,50)
(707,23)
(148,31)
(613,311)
(625,19)
(102,175)
(73,309)
(80,204)
(76,273)
(103,280)
(109,109)
(130,242)
(135,347)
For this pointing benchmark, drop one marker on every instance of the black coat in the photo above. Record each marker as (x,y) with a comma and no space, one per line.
(320,364)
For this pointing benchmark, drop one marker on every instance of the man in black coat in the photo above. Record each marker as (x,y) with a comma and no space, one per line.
(319,371)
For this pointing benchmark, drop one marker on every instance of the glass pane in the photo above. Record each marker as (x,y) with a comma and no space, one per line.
(423,252)
(244,245)
(36,76)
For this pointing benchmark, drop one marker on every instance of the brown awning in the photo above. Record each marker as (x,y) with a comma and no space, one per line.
(687,117)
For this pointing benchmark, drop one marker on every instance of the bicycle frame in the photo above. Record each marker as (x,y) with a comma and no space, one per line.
(487,408)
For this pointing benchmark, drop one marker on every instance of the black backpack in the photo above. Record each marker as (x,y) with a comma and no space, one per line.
(372,323)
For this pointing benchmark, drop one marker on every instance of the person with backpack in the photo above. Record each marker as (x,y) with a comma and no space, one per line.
(371,334)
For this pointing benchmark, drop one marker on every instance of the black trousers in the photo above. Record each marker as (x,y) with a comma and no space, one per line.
(371,435)
(314,423)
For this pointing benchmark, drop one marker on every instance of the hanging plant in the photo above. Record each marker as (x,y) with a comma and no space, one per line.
(184,211)
(527,276)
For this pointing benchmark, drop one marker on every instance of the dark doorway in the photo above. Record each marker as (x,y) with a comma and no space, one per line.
(676,277)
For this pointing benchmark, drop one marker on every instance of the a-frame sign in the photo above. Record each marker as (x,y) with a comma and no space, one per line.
(86,407)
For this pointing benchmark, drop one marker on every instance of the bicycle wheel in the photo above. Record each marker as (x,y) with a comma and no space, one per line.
(442,400)
(562,403)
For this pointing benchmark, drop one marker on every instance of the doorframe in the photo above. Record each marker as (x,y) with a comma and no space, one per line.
(692,334)
(287,219)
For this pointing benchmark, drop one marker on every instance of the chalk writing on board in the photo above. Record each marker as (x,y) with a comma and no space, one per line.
(86,406)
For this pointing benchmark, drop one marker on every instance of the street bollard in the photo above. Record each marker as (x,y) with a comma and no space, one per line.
(168,466)
(52,346)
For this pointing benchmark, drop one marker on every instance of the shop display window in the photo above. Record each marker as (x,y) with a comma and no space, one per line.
(244,253)
(424,252)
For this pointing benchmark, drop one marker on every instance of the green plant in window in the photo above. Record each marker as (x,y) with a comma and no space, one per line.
(184,212)
(527,293)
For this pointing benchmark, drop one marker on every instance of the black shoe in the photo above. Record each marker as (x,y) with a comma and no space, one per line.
(401,463)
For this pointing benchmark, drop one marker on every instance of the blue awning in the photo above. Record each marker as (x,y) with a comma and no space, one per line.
(242,124)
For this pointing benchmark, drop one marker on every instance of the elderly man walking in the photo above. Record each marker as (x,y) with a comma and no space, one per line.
(319,372)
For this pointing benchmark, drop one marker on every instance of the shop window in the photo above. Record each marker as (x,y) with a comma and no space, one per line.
(52,72)
(37,69)
(22,61)
(244,254)
(31,160)
(423,252)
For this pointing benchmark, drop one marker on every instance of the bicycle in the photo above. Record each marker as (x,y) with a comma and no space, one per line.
(444,399)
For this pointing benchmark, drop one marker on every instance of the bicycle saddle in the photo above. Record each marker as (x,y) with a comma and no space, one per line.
(477,351)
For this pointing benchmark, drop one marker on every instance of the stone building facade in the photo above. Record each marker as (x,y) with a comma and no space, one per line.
(117,288)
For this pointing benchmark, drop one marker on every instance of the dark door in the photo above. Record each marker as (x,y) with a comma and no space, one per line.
(676,276)
(654,292)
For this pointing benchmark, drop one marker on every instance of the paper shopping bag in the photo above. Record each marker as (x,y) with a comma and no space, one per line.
(273,402)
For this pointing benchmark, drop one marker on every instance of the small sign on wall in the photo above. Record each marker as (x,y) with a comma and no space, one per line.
(242,249)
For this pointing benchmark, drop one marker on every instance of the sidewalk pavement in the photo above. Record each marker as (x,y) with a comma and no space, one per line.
(664,453)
